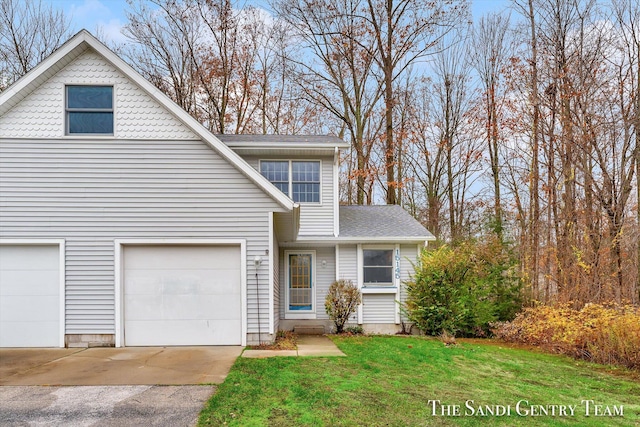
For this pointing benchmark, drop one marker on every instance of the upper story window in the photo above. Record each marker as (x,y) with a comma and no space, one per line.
(277,173)
(300,180)
(377,267)
(89,110)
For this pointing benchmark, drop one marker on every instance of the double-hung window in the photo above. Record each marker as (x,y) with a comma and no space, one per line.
(298,179)
(277,173)
(377,267)
(89,110)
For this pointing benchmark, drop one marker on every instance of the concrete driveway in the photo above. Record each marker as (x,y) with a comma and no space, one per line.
(117,366)
(160,386)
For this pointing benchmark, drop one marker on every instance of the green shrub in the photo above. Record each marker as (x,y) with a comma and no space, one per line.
(341,302)
(607,334)
(354,330)
(461,289)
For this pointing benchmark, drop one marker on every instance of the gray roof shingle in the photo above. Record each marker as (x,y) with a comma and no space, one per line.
(283,139)
(379,222)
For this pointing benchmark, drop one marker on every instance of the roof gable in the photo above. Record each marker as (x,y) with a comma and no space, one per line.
(83,41)
(136,115)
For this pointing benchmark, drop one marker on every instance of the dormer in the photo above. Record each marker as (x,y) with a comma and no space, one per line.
(305,168)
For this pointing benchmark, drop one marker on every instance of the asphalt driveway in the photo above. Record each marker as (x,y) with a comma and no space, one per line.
(132,386)
(138,405)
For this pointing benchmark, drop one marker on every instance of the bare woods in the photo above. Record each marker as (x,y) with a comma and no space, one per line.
(521,123)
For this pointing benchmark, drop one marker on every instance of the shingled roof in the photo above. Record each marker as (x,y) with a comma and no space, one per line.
(380,221)
(283,139)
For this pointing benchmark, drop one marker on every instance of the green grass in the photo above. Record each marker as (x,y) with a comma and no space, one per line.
(388,381)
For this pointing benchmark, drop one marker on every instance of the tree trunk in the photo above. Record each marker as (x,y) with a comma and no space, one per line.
(637,153)
(492,137)
(534,198)
(388,100)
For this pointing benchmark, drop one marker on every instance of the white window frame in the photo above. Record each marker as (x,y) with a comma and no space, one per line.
(67,110)
(296,314)
(394,289)
(290,177)
(370,287)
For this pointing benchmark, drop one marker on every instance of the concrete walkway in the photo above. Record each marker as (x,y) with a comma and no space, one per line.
(308,345)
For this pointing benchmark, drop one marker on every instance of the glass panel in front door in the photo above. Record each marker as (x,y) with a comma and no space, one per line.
(300,286)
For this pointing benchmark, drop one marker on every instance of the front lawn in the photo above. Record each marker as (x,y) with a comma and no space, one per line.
(389,381)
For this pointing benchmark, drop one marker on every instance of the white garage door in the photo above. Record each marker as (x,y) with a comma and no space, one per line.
(182,295)
(29,296)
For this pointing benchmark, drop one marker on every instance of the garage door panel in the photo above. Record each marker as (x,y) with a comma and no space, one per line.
(15,308)
(227,311)
(34,282)
(225,282)
(182,295)
(205,307)
(144,308)
(29,257)
(163,281)
(30,297)
(181,332)
(32,334)
(139,283)
(191,257)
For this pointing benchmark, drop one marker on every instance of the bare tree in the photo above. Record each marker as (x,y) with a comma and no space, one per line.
(29,32)
(337,74)
(451,94)
(627,16)
(405,31)
(161,53)
(215,60)
(489,57)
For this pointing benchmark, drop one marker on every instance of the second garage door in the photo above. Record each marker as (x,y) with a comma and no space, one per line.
(182,295)
(30,296)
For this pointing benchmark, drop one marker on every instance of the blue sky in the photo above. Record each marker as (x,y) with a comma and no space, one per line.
(109,15)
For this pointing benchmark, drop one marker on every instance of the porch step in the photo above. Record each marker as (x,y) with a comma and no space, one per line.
(309,330)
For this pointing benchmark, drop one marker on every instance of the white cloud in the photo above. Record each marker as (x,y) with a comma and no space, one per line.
(104,18)
(111,31)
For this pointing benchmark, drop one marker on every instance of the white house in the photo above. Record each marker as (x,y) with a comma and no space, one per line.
(124,222)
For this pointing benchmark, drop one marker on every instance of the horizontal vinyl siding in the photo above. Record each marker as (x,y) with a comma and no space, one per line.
(348,269)
(379,308)
(325,276)
(315,220)
(92,192)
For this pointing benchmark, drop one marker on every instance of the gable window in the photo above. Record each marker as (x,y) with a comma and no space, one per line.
(89,110)
(377,267)
(299,180)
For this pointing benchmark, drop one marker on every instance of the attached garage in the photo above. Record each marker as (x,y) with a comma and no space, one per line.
(31,304)
(182,295)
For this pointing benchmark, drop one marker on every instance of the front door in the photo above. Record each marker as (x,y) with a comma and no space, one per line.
(300,285)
